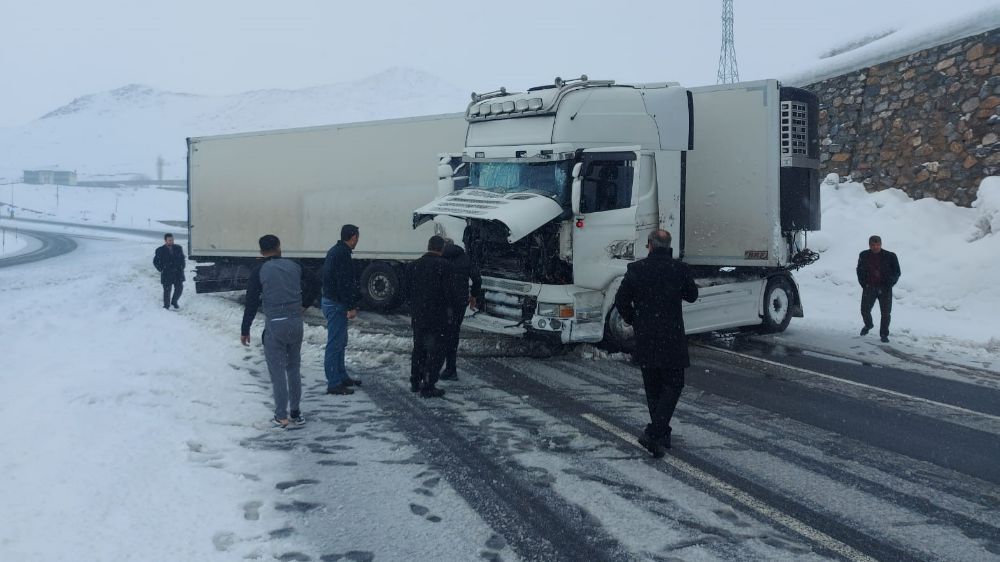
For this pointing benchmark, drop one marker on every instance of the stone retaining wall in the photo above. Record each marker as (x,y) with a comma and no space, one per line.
(927,123)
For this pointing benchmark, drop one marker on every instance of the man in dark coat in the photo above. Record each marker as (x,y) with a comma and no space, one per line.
(463,272)
(430,287)
(339,304)
(878,272)
(649,299)
(169,261)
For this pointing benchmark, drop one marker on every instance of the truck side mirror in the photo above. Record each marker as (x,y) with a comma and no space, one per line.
(575,196)
(446,183)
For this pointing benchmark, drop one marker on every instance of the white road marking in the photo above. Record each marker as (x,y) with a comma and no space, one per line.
(859,384)
(741,497)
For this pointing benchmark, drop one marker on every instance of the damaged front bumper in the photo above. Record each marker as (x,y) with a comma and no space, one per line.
(557,312)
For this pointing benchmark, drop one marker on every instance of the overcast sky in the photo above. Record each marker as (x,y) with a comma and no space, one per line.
(52,51)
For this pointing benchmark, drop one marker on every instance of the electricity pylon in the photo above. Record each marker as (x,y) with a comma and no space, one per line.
(728,71)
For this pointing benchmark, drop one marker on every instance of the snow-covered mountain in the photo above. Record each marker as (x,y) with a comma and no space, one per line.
(125,130)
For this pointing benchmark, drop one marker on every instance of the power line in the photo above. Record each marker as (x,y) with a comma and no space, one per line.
(729,73)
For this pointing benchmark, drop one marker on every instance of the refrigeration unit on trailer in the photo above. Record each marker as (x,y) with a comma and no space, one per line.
(304,184)
(559,187)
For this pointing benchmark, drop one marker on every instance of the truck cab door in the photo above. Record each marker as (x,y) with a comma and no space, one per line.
(604,207)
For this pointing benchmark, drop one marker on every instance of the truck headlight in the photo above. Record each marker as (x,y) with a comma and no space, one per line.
(555,310)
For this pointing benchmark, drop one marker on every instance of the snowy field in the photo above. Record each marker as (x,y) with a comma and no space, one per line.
(141,436)
(132,208)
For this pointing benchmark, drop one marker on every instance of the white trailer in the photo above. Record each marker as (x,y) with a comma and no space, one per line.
(559,187)
(303,184)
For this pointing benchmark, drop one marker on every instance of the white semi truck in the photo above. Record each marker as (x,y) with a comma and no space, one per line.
(303,184)
(559,187)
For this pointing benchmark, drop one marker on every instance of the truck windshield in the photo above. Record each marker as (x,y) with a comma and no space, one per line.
(546,178)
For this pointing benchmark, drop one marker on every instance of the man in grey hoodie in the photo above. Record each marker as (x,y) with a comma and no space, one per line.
(285,290)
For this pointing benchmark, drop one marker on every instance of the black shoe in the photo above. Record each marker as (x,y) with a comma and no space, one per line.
(431,392)
(165,307)
(414,387)
(296,418)
(654,446)
(865,330)
(173,304)
(885,339)
(447,375)
(341,388)
(352,382)
(665,441)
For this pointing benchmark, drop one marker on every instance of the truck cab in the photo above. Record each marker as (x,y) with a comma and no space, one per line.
(559,186)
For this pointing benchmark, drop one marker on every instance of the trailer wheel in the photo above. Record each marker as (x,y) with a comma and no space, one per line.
(618,336)
(381,288)
(778,300)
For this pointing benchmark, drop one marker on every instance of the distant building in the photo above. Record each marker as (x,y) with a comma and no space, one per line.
(51,175)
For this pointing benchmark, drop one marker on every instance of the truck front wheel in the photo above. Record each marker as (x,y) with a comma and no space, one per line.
(381,287)
(778,300)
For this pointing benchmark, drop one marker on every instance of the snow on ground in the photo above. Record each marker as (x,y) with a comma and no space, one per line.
(141,432)
(947,301)
(132,207)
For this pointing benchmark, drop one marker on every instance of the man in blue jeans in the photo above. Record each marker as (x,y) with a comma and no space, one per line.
(340,297)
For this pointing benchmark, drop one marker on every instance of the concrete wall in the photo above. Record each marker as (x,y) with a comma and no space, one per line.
(927,123)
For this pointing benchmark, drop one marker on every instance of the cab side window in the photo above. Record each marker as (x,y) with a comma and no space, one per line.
(606,185)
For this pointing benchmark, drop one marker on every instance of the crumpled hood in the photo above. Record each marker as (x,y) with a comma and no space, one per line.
(521,213)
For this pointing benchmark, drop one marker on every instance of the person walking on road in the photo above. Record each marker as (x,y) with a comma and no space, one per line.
(285,290)
(878,272)
(339,304)
(169,261)
(430,287)
(464,272)
(649,299)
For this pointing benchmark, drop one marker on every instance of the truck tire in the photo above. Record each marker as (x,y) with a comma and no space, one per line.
(381,287)
(618,336)
(778,300)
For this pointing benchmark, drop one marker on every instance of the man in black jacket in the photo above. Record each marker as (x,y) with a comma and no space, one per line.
(284,289)
(463,272)
(878,271)
(650,300)
(169,261)
(430,287)
(339,304)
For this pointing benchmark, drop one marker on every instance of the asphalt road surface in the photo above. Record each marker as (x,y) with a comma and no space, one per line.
(44,246)
(777,454)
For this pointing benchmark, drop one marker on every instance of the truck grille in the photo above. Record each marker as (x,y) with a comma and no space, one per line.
(516,308)
(506,286)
